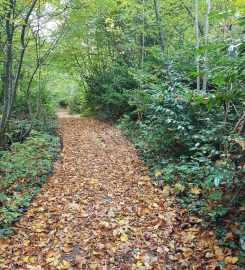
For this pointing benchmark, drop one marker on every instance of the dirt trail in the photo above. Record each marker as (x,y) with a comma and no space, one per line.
(63,113)
(100,211)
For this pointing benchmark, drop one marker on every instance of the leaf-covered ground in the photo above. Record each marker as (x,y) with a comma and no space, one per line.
(100,211)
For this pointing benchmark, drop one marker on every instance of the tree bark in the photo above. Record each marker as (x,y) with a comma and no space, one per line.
(143,35)
(11,80)
(162,44)
(197,46)
(205,63)
(8,69)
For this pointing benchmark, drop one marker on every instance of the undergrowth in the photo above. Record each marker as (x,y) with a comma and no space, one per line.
(23,170)
(192,156)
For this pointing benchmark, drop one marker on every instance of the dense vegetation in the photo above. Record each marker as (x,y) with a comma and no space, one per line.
(169,73)
(23,171)
(28,141)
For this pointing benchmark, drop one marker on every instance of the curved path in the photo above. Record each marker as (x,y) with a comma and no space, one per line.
(100,211)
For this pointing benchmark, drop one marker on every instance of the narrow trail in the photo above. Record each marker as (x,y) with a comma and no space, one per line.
(100,211)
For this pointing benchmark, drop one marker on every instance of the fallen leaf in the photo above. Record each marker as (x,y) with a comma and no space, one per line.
(195,190)
(64,265)
(52,257)
(209,255)
(26,259)
(26,243)
(139,264)
(124,238)
(122,222)
(67,249)
(38,267)
(158,173)
(166,190)
(187,237)
(229,236)
(4,243)
(231,260)
(178,187)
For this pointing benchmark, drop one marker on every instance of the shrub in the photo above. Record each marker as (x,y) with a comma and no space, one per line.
(23,170)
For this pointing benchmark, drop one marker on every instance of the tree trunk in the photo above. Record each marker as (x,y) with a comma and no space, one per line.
(8,75)
(11,80)
(197,46)
(205,64)
(162,44)
(143,35)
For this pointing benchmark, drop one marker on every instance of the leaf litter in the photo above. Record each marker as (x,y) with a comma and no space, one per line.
(100,211)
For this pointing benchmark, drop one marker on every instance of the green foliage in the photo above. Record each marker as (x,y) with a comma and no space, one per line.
(18,128)
(188,129)
(110,64)
(23,170)
(188,142)
(108,92)
(78,104)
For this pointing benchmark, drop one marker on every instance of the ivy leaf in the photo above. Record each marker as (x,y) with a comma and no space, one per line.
(217,180)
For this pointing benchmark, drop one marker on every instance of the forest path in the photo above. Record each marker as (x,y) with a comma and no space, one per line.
(100,211)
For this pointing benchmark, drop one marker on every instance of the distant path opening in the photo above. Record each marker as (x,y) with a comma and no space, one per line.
(63,113)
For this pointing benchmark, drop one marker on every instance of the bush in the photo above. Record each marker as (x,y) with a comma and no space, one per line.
(23,170)
(191,154)
(78,104)
(108,93)
(18,128)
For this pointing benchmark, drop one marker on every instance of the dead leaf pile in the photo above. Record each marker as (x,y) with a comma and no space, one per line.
(100,211)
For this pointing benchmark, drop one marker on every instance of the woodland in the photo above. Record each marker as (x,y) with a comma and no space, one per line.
(122,130)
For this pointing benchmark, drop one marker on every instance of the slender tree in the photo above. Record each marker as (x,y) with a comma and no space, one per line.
(162,43)
(28,34)
(197,45)
(143,35)
(205,64)
(11,78)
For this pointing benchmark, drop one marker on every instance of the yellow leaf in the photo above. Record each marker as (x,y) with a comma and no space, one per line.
(166,190)
(64,265)
(195,190)
(94,181)
(25,259)
(231,260)
(38,226)
(158,173)
(124,238)
(56,242)
(52,257)
(139,264)
(26,243)
(122,222)
(229,236)
(178,187)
